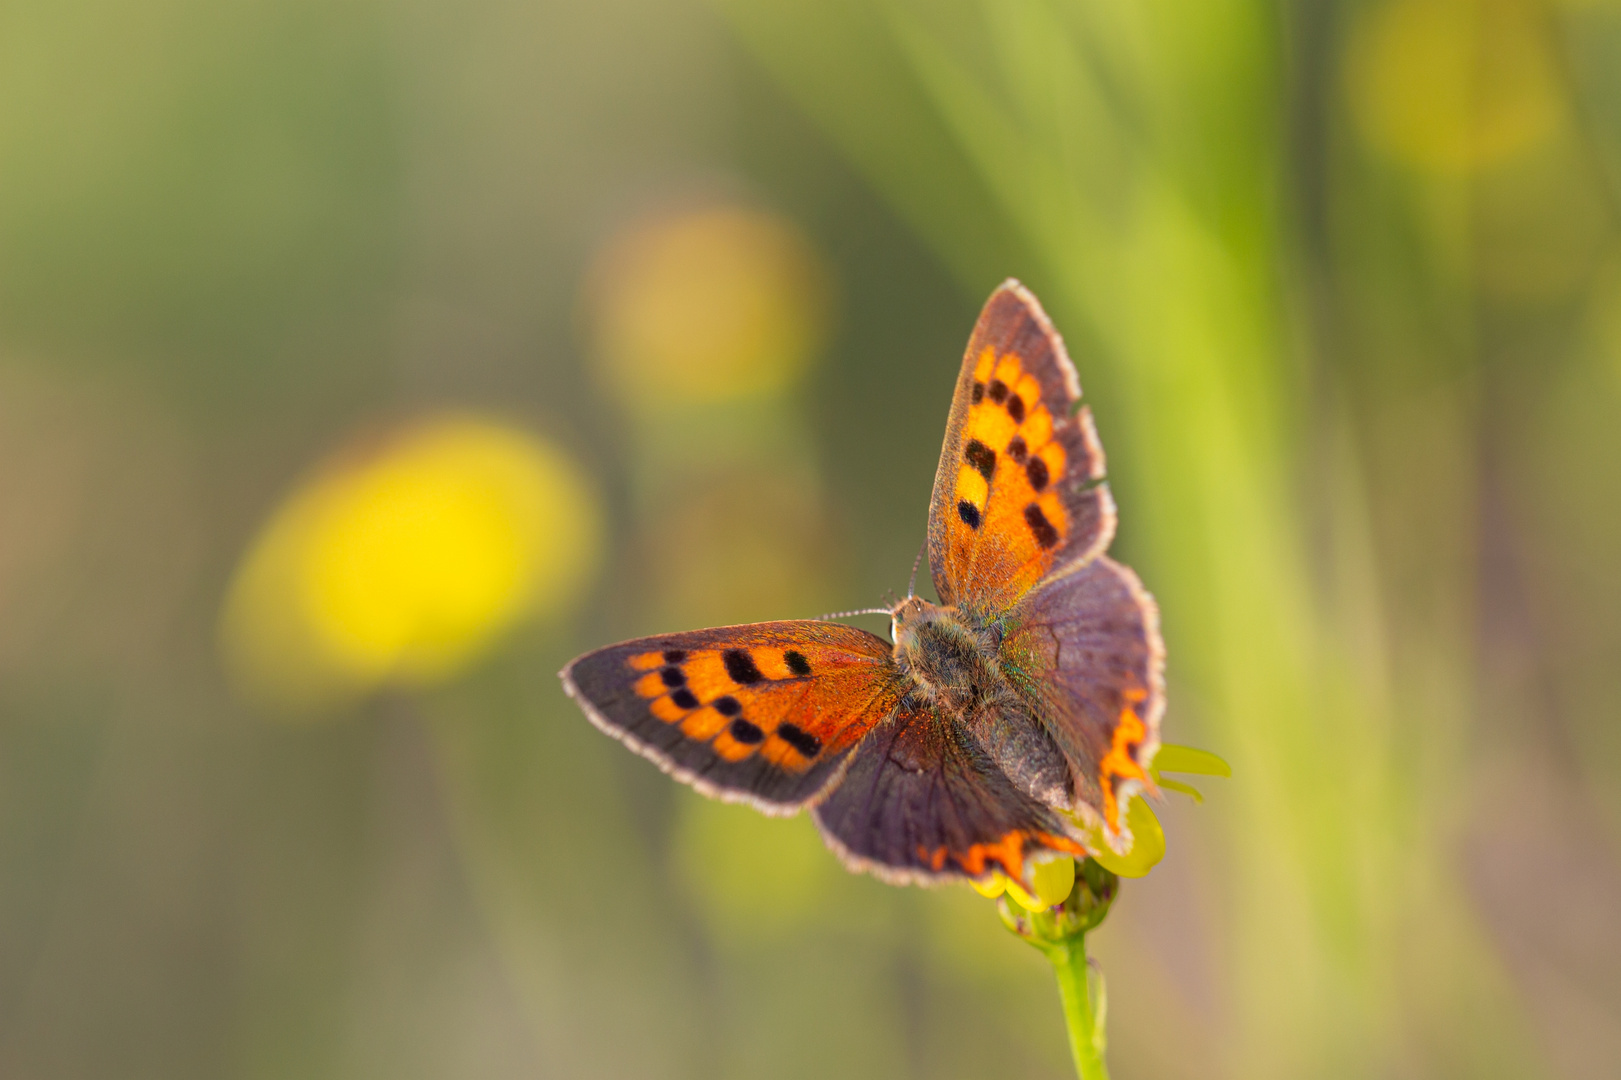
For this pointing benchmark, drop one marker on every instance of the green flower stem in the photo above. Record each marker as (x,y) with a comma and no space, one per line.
(1082,994)
(1060,932)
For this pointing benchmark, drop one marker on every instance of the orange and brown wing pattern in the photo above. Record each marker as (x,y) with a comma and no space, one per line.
(765,713)
(1019,490)
(922,802)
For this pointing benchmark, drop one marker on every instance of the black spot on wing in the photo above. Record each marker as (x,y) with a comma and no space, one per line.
(969,514)
(673,676)
(1036,470)
(997,391)
(1015,408)
(674,656)
(980,457)
(727,705)
(796,662)
(745,732)
(1017,450)
(685,698)
(1040,527)
(979,392)
(801,740)
(740,666)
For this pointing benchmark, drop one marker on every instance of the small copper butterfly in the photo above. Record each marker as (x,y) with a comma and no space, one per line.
(1007,723)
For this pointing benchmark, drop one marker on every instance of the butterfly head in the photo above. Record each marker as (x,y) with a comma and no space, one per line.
(908,616)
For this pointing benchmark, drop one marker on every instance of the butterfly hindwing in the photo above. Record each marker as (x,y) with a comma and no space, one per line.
(1019,490)
(921,801)
(765,713)
(1084,649)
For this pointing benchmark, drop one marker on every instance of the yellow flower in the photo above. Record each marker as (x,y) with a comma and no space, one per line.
(400,564)
(1050,883)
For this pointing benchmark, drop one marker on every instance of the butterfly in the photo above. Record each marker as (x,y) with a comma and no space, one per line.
(1007,724)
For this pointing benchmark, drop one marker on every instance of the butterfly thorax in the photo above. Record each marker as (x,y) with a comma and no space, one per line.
(953,662)
(949,656)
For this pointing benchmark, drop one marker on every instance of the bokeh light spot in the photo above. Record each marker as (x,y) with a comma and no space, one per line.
(1451,85)
(402,564)
(721,304)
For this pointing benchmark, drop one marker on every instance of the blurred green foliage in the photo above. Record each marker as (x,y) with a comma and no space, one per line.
(1343,282)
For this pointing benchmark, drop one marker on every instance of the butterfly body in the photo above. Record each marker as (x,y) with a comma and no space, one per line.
(949,660)
(951,663)
(1006,724)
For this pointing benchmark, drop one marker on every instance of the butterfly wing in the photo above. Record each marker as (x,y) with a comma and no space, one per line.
(922,802)
(1019,490)
(765,714)
(1084,650)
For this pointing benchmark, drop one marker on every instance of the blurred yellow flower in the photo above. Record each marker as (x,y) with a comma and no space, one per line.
(1451,85)
(721,304)
(399,565)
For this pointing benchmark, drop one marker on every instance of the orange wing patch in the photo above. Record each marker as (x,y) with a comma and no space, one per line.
(1120,763)
(1019,486)
(743,700)
(1010,519)
(1008,853)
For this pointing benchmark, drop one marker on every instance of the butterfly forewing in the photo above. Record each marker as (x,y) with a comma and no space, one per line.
(1084,649)
(765,713)
(1019,490)
(922,802)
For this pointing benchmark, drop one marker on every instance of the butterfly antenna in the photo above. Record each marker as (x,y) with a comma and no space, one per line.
(857,611)
(911,584)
